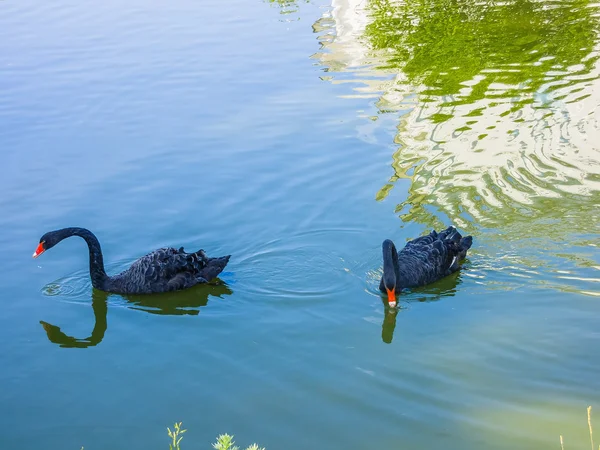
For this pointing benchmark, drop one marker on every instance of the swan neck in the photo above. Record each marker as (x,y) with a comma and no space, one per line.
(390,264)
(97,272)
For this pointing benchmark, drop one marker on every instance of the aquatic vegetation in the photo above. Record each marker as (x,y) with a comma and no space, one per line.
(176,436)
(589,418)
(224,441)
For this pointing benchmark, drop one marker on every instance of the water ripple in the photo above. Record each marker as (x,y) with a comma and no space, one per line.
(297,266)
(71,287)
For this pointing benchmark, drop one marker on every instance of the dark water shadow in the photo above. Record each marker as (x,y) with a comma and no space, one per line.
(445,287)
(186,302)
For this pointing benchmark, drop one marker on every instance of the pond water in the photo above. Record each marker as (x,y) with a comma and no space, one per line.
(296,137)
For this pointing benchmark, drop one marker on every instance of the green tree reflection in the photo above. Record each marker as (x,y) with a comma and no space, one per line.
(287,6)
(506,94)
(520,45)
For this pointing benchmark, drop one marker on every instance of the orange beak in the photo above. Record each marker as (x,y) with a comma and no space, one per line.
(391,297)
(39,250)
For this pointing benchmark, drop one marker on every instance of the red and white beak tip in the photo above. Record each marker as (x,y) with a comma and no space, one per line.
(39,250)
(391,297)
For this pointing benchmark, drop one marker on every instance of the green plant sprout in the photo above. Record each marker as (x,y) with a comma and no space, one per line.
(176,436)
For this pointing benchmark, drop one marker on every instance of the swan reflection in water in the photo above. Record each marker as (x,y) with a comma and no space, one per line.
(446,287)
(179,303)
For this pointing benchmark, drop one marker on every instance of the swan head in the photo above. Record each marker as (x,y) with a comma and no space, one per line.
(47,241)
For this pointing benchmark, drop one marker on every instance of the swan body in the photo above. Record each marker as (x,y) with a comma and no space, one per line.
(422,261)
(163,270)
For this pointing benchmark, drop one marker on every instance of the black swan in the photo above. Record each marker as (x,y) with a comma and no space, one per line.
(163,270)
(422,261)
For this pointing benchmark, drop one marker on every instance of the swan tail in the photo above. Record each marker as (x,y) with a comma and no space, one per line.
(458,244)
(466,242)
(462,244)
(465,245)
(214,266)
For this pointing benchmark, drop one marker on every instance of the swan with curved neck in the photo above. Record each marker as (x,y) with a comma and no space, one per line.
(163,270)
(422,261)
